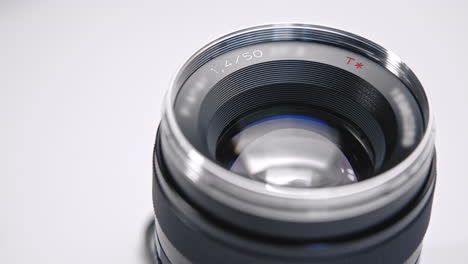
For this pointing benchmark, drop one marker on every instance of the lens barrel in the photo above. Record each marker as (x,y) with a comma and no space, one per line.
(292,144)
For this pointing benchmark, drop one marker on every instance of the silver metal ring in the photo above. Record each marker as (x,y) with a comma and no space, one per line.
(286,203)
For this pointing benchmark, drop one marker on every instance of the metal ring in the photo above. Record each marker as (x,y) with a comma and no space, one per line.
(285,203)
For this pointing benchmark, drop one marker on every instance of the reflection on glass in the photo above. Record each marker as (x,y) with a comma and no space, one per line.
(291,150)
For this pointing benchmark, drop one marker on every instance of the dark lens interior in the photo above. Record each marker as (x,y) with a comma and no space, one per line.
(296,146)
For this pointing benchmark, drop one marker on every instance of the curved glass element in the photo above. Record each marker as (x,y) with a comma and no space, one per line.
(290,150)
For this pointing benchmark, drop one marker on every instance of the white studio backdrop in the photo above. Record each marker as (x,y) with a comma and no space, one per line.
(81,86)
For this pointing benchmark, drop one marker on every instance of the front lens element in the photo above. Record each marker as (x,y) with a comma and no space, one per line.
(289,150)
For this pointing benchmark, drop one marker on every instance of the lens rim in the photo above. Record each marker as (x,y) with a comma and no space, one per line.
(287,203)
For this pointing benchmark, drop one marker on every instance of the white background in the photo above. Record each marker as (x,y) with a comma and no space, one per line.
(81,84)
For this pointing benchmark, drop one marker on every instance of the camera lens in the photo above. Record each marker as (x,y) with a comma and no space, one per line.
(293,144)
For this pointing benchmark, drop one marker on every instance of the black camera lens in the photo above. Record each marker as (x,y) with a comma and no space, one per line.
(293,144)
